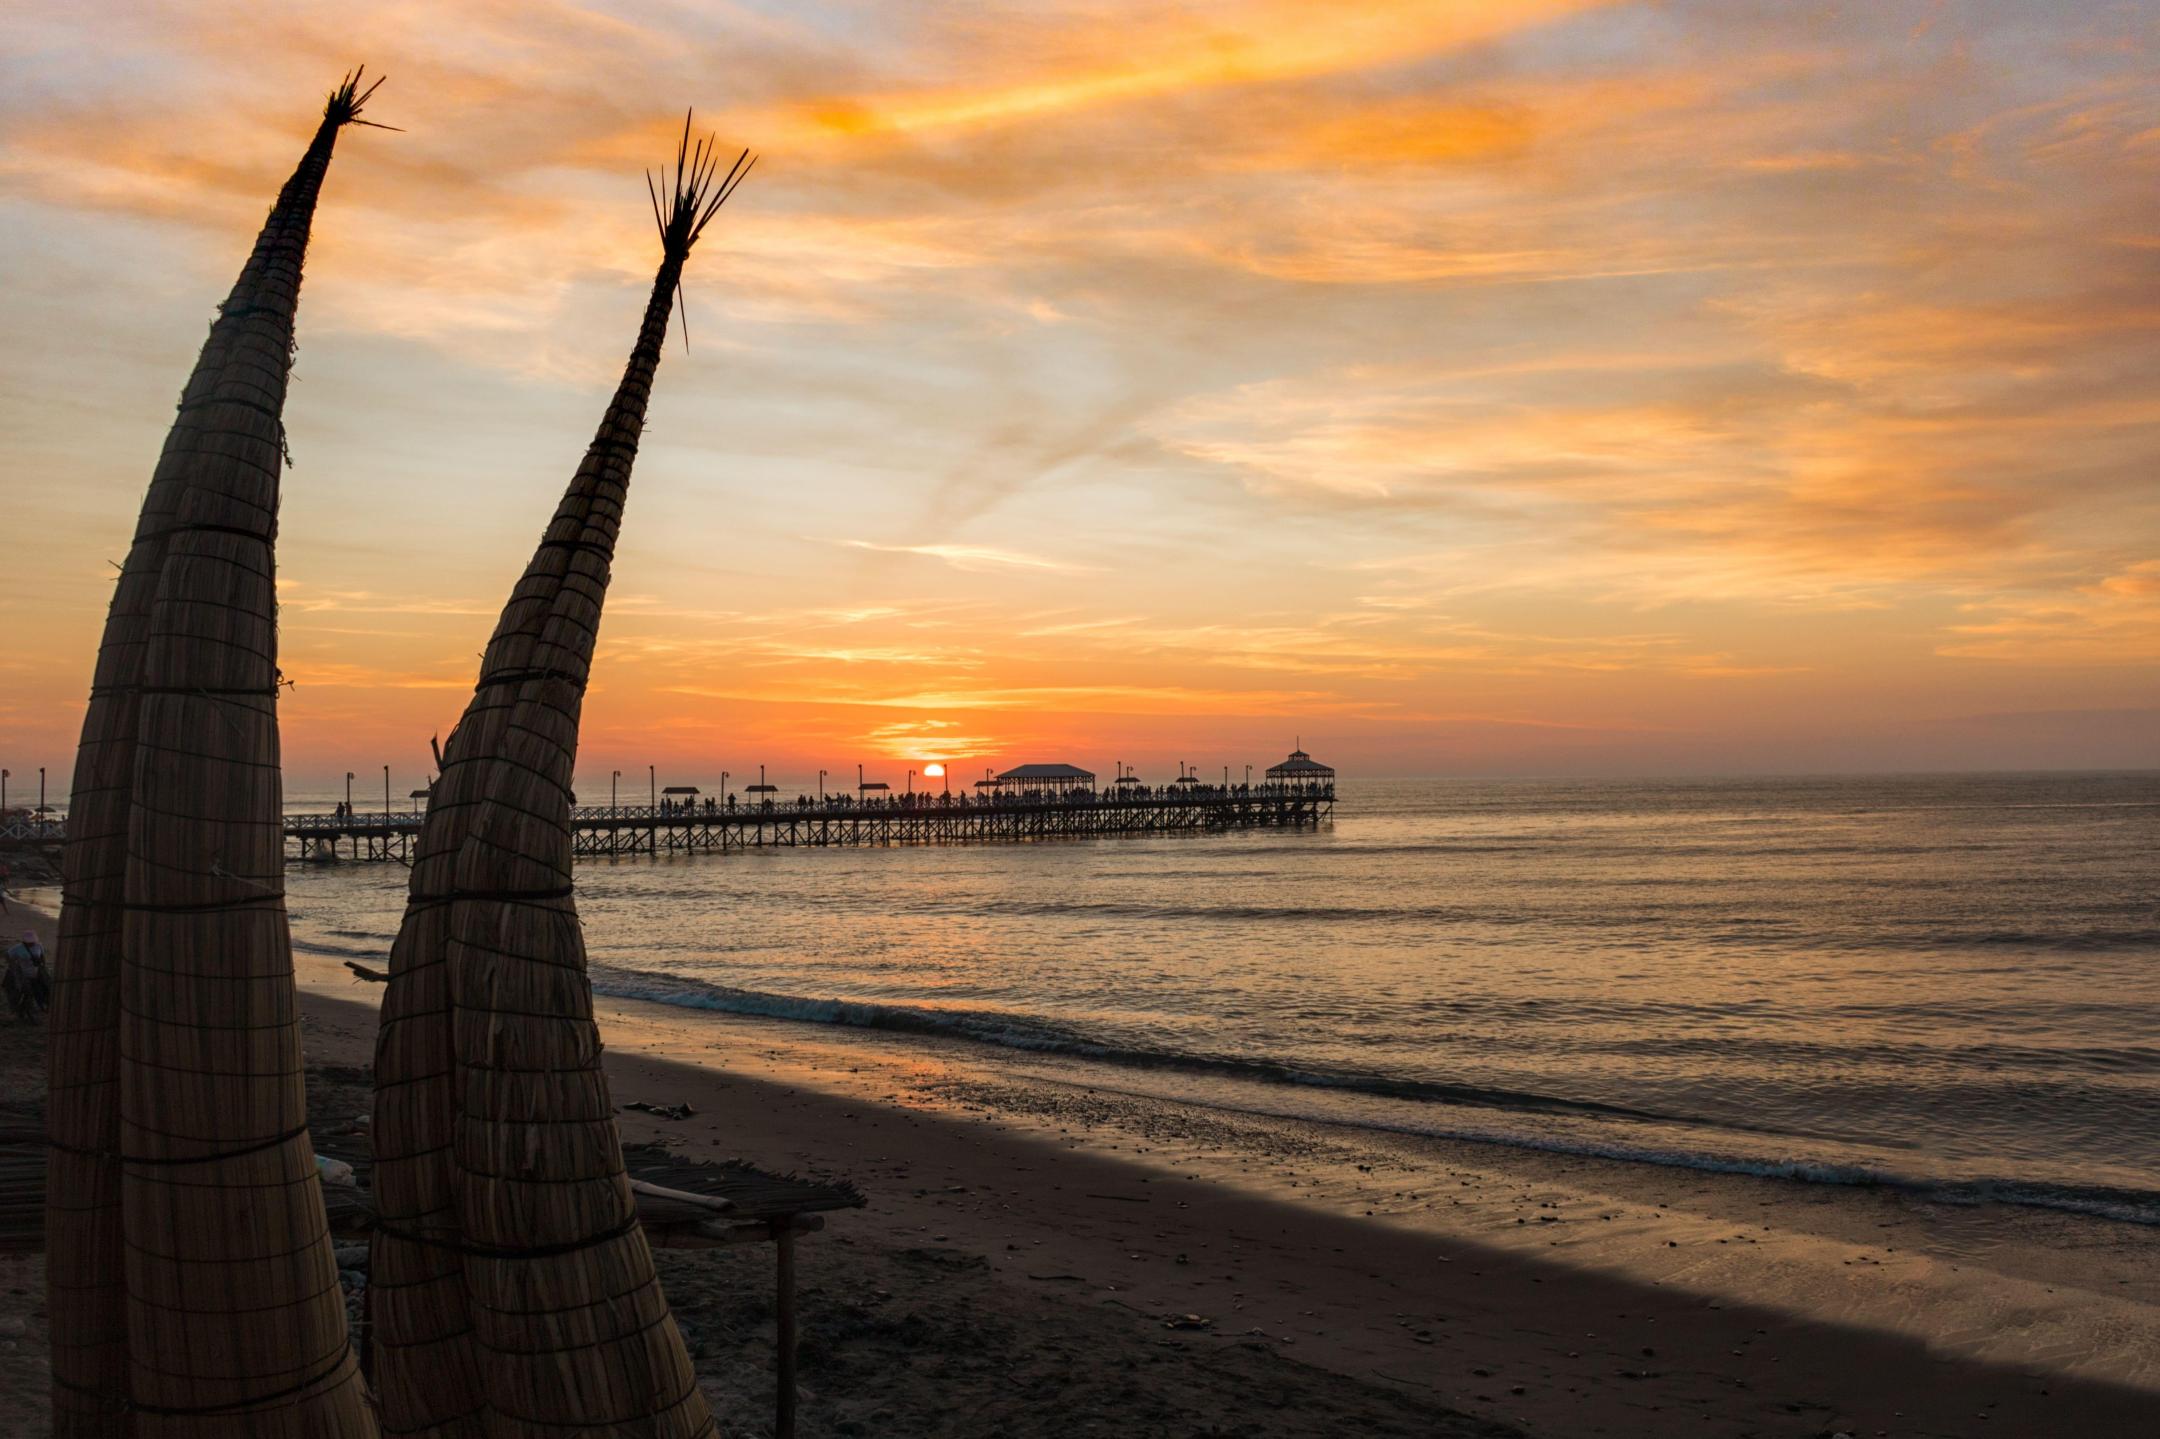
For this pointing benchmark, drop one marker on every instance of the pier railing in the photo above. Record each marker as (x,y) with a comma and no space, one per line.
(24,829)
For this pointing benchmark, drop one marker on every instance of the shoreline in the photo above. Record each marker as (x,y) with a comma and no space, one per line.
(1367,1281)
(1394,1106)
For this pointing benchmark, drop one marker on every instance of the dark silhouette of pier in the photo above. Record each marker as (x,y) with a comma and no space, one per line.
(711,826)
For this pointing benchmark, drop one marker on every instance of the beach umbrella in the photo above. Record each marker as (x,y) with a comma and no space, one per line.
(514,1292)
(192,1288)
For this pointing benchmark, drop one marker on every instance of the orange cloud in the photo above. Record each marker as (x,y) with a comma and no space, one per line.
(1117,55)
(2112,622)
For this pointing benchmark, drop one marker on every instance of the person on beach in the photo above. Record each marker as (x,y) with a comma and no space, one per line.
(4,873)
(29,986)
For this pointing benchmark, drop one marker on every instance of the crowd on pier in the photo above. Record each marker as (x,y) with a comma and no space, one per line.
(712,807)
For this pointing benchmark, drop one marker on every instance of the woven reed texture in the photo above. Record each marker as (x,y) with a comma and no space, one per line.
(192,1285)
(514,1293)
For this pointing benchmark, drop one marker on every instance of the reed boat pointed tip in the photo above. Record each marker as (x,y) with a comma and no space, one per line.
(696,188)
(345,103)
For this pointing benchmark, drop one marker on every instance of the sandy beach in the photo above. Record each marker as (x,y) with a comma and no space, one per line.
(1042,1256)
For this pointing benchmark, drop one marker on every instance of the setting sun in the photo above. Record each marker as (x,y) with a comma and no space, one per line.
(933,769)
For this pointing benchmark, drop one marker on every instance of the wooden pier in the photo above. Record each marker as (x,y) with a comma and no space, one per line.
(604,831)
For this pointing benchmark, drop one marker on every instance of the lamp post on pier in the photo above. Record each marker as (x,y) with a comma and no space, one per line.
(911,784)
(821,789)
(614,806)
(386,799)
(723,789)
(41,794)
(652,780)
(348,796)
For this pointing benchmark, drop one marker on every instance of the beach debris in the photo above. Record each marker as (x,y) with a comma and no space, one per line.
(664,1111)
(372,976)
(487,1040)
(186,1106)
(1188,1321)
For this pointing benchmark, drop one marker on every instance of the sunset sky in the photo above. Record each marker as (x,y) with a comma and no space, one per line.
(1547,387)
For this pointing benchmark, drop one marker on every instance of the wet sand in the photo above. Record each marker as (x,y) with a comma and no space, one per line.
(1034,1245)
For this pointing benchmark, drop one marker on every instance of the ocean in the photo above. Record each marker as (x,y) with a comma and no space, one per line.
(1948,983)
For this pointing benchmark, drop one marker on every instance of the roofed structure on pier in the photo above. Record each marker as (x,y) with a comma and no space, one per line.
(1300,769)
(1040,779)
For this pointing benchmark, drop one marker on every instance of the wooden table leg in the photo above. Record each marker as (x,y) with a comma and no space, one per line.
(784,1417)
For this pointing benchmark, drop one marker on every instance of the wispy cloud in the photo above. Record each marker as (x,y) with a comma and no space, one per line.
(2114,621)
(974,557)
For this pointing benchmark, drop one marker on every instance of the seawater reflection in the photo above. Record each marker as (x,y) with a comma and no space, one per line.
(1948,979)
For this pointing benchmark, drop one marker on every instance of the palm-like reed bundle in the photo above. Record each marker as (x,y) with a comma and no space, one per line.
(514,1293)
(192,1286)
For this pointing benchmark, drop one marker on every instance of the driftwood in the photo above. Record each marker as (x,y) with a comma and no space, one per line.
(514,1289)
(191,1284)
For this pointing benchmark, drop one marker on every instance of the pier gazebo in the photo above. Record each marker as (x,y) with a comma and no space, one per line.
(1300,772)
(1040,779)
